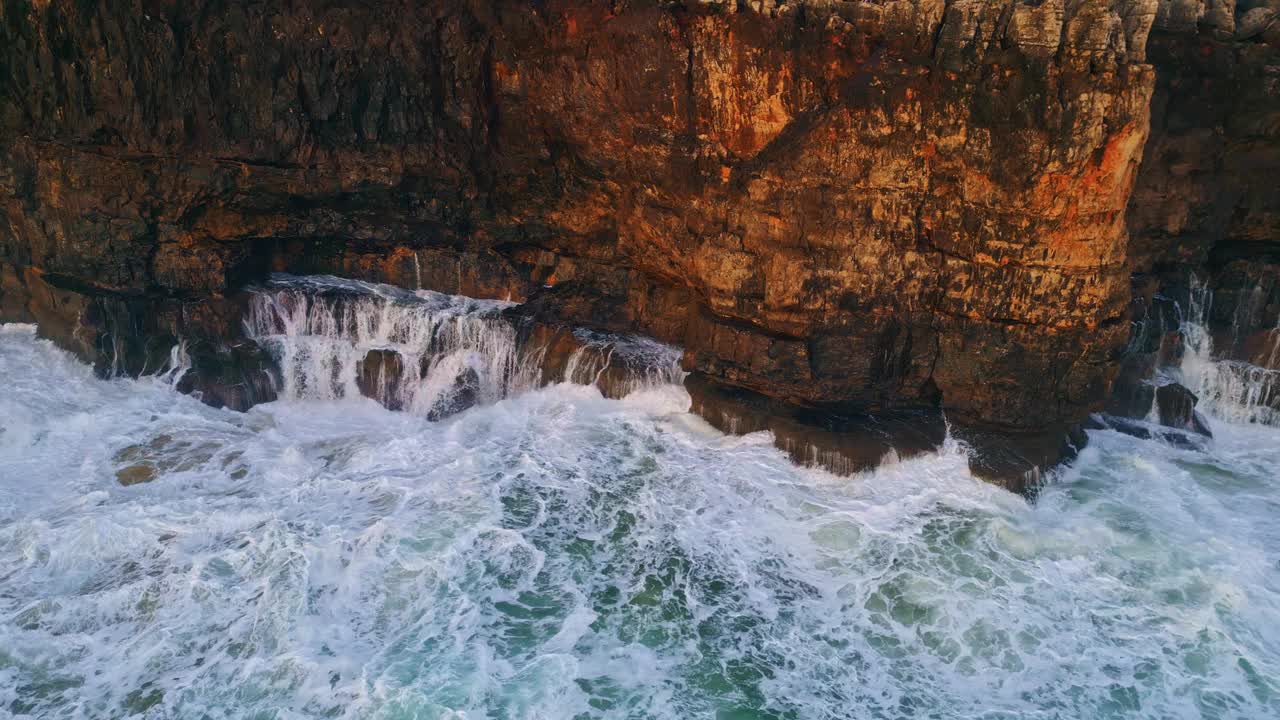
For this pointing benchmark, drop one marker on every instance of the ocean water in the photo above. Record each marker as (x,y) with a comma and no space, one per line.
(556,554)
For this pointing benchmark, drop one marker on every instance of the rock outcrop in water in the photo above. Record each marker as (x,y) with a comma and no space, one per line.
(841,207)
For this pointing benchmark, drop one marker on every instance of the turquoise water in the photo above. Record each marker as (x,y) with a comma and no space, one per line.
(561,555)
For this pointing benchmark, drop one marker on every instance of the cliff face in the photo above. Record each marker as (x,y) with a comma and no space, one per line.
(1205,202)
(1207,191)
(844,205)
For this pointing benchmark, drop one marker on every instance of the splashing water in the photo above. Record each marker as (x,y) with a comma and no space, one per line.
(322,331)
(637,363)
(178,367)
(1232,390)
(561,555)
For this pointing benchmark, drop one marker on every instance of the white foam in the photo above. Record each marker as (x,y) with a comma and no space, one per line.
(1230,390)
(560,555)
(320,330)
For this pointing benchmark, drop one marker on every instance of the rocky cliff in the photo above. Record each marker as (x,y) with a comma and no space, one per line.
(843,207)
(1207,198)
(1205,209)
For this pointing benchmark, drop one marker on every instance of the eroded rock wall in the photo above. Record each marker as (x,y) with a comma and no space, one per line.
(866,205)
(1204,218)
(1207,198)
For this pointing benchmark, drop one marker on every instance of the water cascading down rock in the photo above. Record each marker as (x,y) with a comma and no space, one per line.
(1231,389)
(432,354)
(1177,367)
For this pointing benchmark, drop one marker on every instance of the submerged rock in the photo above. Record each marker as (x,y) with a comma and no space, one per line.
(136,474)
(144,462)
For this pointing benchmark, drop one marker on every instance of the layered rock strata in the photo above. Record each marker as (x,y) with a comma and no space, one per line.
(844,207)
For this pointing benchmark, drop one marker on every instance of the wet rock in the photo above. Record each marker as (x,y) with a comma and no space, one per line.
(1193,440)
(1200,424)
(1245,301)
(555,344)
(236,375)
(1128,394)
(1018,460)
(1202,203)
(1133,394)
(1119,424)
(841,442)
(462,395)
(381,375)
(1176,408)
(1155,343)
(1262,348)
(137,334)
(617,364)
